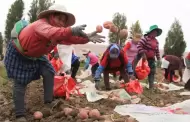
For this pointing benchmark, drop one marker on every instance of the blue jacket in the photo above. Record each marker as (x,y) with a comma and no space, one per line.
(74,58)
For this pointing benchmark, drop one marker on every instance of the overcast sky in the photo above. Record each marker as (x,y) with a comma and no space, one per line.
(148,12)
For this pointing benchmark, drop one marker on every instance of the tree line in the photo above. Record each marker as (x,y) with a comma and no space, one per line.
(174,42)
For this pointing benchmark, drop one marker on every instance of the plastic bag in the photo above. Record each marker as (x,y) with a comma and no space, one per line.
(142,69)
(65,54)
(133,87)
(165,63)
(49,56)
(186,75)
(57,64)
(64,86)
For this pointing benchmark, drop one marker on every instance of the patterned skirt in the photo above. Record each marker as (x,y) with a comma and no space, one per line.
(22,69)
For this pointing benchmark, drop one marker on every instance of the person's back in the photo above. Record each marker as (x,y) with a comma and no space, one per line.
(93,58)
(175,62)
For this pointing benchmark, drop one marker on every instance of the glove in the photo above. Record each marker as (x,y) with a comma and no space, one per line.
(94,37)
(78,31)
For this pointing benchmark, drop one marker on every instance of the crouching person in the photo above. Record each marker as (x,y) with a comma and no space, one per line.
(91,59)
(25,59)
(114,59)
(172,63)
(75,64)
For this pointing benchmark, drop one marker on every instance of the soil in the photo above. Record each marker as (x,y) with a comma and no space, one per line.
(34,102)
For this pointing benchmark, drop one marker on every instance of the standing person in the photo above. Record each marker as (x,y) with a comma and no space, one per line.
(131,51)
(75,64)
(25,58)
(172,63)
(91,59)
(148,49)
(186,74)
(113,60)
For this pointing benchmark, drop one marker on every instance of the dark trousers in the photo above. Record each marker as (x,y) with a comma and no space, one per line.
(171,72)
(19,91)
(152,65)
(74,68)
(94,68)
(123,74)
(187,85)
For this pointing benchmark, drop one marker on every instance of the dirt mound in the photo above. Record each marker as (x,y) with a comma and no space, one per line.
(34,102)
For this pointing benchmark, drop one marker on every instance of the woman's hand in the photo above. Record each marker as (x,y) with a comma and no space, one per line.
(95,38)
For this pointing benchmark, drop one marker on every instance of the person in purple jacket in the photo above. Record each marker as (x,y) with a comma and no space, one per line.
(148,49)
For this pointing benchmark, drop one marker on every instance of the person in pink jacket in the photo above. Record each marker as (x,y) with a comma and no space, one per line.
(131,51)
(91,59)
(25,59)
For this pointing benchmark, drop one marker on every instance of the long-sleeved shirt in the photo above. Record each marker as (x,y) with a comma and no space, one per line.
(92,59)
(40,38)
(150,47)
(130,50)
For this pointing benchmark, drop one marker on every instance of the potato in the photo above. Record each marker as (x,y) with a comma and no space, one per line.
(134,97)
(67,111)
(83,114)
(94,113)
(38,115)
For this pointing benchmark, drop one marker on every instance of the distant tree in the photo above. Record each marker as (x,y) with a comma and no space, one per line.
(120,21)
(36,7)
(33,11)
(15,14)
(1,46)
(136,28)
(175,43)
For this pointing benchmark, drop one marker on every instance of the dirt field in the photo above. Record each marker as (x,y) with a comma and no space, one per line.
(34,102)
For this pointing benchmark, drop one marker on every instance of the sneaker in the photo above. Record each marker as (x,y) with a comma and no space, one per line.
(21,119)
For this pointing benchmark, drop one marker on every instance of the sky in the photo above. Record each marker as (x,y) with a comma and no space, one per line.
(95,12)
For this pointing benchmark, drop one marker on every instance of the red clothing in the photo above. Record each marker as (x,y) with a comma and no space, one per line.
(188,56)
(55,50)
(127,46)
(40,38)
(113,65)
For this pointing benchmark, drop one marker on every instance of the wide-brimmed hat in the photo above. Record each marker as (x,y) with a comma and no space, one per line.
(152,28)
(58,9)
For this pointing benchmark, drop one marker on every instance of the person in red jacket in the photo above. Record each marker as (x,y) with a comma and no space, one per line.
(25,58)
(148,49)
(114,59)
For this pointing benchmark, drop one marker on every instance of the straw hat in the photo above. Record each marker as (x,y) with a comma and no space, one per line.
(58,9)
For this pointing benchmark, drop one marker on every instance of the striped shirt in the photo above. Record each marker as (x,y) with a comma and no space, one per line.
(150,47)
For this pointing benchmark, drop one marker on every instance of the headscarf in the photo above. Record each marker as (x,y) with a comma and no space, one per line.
(114,51)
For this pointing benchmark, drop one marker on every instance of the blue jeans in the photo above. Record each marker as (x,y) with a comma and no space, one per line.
(129,68)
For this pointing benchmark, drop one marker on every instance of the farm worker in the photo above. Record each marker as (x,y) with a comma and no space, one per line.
(91,59)
(75,64)
(170,63)
(186,74)
(131,51)
(25,58)
(148,49)
(113,60)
